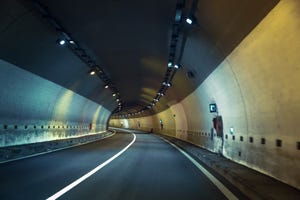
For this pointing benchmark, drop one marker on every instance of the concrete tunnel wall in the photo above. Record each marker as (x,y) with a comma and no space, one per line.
(33,109)
(257,92)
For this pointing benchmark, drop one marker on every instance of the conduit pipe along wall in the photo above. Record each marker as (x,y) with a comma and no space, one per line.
(256,89)
(33,109)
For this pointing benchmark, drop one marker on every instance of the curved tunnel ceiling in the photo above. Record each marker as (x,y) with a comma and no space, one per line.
(131,41)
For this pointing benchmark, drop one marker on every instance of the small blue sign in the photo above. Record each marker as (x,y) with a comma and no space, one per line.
(212,107)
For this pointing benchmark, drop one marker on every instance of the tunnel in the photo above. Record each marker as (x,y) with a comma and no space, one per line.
(152,99)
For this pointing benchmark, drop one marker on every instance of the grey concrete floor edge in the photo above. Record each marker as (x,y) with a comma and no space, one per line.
(251,184)
(18,152)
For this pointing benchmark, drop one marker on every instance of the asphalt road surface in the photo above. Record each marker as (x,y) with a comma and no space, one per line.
(149,168)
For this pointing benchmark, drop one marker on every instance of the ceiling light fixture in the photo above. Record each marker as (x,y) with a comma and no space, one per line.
(166,84)
(189,20)
(61,42)
(92,72)
(65,38)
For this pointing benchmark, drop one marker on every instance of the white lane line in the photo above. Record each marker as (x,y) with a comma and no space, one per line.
(55,150)
(214,180)
(75,183)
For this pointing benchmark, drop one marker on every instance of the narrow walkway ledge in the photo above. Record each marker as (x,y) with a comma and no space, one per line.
(253,184)
(12,153)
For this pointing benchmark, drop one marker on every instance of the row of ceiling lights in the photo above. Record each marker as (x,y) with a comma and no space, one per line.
(96,70)
(173,65)
(66,40)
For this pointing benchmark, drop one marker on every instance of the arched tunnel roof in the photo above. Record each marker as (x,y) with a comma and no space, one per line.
(128,43)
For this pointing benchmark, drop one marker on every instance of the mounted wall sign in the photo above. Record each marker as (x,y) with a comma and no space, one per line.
(212,107)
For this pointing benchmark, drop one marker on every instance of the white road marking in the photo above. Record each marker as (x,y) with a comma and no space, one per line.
(214,180)
(51,151)
(75,183)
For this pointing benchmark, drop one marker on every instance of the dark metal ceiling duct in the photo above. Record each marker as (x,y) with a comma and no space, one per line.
(74,46)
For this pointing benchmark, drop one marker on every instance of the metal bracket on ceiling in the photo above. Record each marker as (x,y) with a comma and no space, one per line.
(67,39)
(173,61)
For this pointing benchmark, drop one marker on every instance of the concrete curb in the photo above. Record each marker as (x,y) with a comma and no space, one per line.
(19,152)
(253,184)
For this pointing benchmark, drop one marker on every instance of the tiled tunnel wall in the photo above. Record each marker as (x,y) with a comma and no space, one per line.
(33,109)
(256,89)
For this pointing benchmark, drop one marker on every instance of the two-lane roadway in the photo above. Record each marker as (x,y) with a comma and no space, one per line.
(124,166)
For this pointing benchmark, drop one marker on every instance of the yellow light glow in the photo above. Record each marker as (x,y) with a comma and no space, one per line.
(96,116)
(62,105)
(92,72)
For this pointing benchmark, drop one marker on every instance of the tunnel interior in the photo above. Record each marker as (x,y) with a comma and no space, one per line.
(223,75)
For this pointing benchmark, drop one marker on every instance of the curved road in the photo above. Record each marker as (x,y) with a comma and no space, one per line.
(148,169)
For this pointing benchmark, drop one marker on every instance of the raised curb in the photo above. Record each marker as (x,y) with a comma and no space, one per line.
(253,184)
(18,152)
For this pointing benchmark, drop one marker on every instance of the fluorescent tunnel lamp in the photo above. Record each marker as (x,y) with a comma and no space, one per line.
(61,42)
(189,21)
(92,72)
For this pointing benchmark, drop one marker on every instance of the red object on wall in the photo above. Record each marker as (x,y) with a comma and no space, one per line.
(215,123)
(218,124)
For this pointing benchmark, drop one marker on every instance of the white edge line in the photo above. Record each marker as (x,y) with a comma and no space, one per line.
(46,152)
(87,175)
(214,180)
